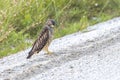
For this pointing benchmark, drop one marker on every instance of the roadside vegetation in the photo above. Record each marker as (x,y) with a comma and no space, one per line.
(22,20)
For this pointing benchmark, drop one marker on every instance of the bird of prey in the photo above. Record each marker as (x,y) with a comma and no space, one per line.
(44,39)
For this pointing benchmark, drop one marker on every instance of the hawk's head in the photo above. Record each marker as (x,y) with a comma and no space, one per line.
(50,22)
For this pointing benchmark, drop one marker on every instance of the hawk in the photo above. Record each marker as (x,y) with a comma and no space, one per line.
(44,39)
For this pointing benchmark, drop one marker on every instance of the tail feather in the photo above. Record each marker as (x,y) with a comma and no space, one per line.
(30,54)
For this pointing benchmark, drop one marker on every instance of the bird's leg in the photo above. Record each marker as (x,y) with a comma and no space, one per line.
(47,50)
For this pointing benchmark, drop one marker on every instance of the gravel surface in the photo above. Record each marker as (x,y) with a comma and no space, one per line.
(90,55)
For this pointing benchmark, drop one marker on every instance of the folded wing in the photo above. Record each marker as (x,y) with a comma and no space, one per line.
(40,42)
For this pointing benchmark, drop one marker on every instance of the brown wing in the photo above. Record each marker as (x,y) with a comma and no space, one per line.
(40,42)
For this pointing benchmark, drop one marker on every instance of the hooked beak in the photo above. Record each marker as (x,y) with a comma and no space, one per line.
(52,26)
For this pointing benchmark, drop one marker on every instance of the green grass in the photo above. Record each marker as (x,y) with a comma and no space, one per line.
(23,19)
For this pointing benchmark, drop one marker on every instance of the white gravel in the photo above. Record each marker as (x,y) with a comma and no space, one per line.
(103,64)
(92,55)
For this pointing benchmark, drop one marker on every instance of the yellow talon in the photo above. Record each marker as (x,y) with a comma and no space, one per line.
(49,52)
(46,49)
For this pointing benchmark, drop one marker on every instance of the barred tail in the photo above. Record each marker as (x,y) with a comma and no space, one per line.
(30,54)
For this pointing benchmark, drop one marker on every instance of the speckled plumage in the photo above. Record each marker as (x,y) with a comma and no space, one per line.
(43,39)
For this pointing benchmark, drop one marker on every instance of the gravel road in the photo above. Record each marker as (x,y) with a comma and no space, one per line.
(93,54)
